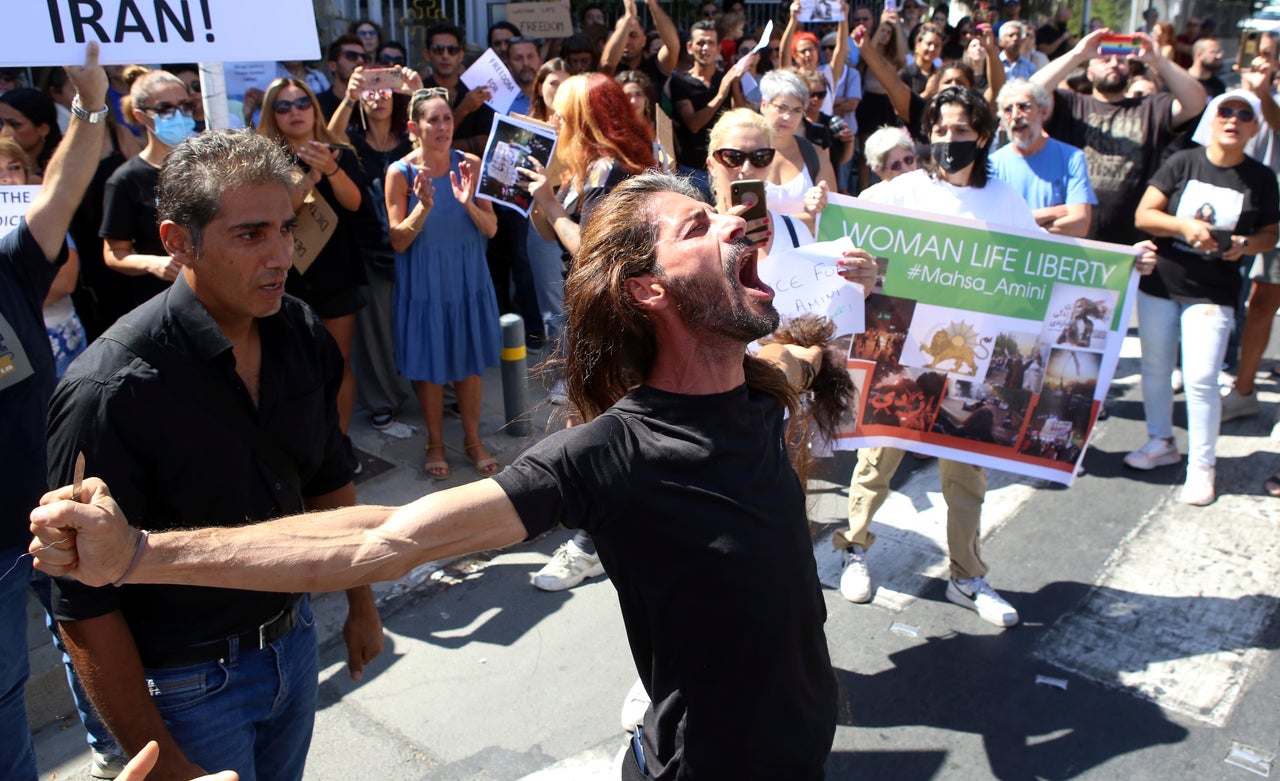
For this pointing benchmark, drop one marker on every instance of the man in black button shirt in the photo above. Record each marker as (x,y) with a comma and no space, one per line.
(681,474)
(210,403)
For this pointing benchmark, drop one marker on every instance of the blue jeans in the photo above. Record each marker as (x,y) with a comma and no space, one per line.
(100,740)
(17,755)
(1204,329)
(251,712)
(548,282)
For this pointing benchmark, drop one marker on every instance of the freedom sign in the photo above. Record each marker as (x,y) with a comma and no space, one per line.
(54,32)
(982,344)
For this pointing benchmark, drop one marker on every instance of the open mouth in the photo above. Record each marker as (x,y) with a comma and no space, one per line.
(748,276)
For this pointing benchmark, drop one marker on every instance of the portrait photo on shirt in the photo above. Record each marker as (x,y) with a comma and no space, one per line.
(513,143)
(1218,207)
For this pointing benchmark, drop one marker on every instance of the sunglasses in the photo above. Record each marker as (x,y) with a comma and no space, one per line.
(1242,114)
(734,158)
(818,95)
(367,33)
(445,49)
(907,161)
(391,59)
(351,55)
(168,110)
(374,95)
(431,92)
(828,47)
(285,106)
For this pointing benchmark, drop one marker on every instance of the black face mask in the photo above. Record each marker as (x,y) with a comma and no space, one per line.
(954,156)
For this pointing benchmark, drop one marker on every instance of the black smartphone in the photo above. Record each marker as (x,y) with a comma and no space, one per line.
(750,192)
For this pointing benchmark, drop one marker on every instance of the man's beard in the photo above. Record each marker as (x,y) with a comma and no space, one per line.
(709,305)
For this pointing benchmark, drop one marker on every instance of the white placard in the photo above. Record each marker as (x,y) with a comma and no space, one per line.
(819,11)
(489,71)
(15,200)
(55,32)
(512,141)
(806,279)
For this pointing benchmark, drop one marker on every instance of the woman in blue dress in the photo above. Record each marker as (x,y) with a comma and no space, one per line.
(446,311)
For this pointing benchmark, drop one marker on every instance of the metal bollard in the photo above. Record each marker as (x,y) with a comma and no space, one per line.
(515,372)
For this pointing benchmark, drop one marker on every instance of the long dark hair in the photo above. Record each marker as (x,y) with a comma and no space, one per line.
(40,109)
(610,342)
(981,119)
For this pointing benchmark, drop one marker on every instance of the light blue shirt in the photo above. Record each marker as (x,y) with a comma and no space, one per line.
(1021,68)
(1054,176)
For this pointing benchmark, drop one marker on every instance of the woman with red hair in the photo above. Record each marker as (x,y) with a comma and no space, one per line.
(800,49)
(602,143)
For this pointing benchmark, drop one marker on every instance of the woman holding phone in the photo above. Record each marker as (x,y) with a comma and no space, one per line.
(331,284)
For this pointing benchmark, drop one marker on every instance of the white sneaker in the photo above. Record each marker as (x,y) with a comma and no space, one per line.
(976,594)
(1198,490)
(855,580)
(1237,405)
(568,567)
(634,706)
(1157,452)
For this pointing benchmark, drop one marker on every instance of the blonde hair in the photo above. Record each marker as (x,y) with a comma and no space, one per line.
(732,120)
(14,151)
(267,122)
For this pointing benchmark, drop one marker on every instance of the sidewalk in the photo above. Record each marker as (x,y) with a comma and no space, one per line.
(392,474)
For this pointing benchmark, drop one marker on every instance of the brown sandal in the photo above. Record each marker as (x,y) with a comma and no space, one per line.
(437,468)
(488,466)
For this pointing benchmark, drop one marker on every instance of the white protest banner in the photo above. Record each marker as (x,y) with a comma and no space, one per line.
(14,202)
(489,71)
(819,11)
(988,345)
(541,19)
(55,32)
(806,279)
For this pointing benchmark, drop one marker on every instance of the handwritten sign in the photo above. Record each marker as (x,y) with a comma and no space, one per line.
(541,19)
(805,279)
(316,223)
(55,32)
(489,71)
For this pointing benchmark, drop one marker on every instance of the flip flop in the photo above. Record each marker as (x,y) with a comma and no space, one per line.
(488,466)
(437,468)
(1272,485)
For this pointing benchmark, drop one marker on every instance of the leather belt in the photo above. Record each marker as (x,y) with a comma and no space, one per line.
(264,635)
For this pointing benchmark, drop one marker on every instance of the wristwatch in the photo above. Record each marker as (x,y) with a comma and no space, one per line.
(92,117)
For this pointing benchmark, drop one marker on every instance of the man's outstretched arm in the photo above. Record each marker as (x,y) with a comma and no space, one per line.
(325,551)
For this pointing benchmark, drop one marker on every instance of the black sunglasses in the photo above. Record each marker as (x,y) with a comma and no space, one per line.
(734,158)
(819,95)
(285,106)
(391,59)
(351,55)
(445,49)
(898,165)
(1242,114)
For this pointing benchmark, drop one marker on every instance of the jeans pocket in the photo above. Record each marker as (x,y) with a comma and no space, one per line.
(305,617)
(181,688)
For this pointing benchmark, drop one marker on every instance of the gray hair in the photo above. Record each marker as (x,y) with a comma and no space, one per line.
(200,170)
(1022,87)
(779,83)
(880,143)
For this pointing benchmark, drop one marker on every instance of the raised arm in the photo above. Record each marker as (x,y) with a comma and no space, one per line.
(73,165)
(897,90)
(669,54)
(1051,75)
(326,551)
(612,53)
(841,53)
(789,32)
(1189,96)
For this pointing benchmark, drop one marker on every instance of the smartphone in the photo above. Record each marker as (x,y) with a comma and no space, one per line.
(891,6)
(384,78)
(1119,45)
(750,192)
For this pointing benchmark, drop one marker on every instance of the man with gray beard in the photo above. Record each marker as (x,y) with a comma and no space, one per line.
(1122,138)
(1050,175)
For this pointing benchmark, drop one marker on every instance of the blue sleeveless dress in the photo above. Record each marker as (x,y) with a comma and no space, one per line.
(446,311)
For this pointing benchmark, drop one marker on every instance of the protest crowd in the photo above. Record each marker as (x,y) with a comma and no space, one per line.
(360,239)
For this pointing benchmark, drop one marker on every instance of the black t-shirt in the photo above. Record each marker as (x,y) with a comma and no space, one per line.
(1237,200)
(329,103)
(26,380)
(689,499)
(691,147)
(337,268)
(477,123)
(174,461)
(129,214)
(1048,34)
(1122,143)
(915,78)
(372,231)
(1213,86)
